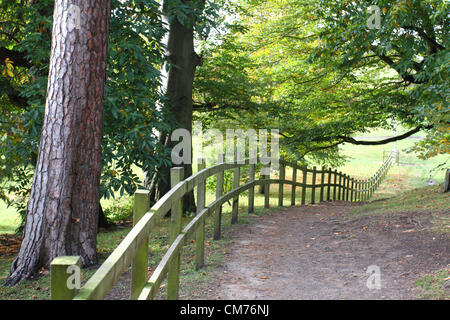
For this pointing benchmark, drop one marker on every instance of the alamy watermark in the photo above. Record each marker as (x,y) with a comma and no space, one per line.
(374,280)
(374,20)
(72,16)
(236,145)
(74,280)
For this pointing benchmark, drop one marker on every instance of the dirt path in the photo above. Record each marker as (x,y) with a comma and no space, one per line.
(313,252)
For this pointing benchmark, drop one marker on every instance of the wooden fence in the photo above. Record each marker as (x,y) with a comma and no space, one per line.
(134,249)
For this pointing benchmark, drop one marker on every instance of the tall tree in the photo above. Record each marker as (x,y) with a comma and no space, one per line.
(183,18)
(63,206)
(130,115)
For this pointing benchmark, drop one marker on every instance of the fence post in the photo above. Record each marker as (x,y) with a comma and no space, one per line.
(294,179)
(251,191)
(200,237)
(340,186)
(176,215)
(281,185)
(335,185)
(322,182)
(329,185)
(305,176)
(352,193)
(267,187)
(364,192)
(446,187)
(371,187)
(359,190)
(235,207)
(348,188)
(313,189)
(367,189)
(219,193)
(61,269)
(344,186)
(139,266)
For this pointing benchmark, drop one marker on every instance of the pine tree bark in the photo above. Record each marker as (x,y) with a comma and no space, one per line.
(63,208)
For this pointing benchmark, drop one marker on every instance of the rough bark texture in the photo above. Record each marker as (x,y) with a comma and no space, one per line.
(177,87)
(63,208)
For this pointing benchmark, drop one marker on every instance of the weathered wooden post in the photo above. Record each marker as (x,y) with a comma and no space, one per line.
(281,185)
(367,189)
(329,185)
(219,193)
(364,193)
(235,204)
(173,281)
(340,186)
(447,181)
(304,177)
(348,188)
(251,191)
(359,190)
(313,189)
(200,236)
(335,185)
(352,193)
(361,196)
(362,190)
(344,184)
(294,180)
(65,277)
(139,266)
(267,187)
(322,183)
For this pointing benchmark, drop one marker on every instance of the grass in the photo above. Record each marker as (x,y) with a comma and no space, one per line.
(432,285)
(421,199)
(9,219)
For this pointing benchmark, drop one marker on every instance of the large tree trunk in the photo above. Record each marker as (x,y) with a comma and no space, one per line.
(63,208)
(177,87)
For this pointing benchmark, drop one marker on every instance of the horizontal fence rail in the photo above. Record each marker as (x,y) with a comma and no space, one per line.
(134,248)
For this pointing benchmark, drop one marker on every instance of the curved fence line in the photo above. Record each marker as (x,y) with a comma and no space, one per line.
(133,249)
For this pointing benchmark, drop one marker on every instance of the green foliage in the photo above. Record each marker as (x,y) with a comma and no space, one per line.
(119,210)
(314,70)
(413,42)
(432,285)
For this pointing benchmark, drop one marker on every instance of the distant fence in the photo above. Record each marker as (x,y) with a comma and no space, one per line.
(394,153)
(134,251)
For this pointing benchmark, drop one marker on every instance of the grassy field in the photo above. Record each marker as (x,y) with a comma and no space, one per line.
(9,219)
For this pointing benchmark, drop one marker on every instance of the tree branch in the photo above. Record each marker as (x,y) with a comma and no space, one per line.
(385,141)
(432,43)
